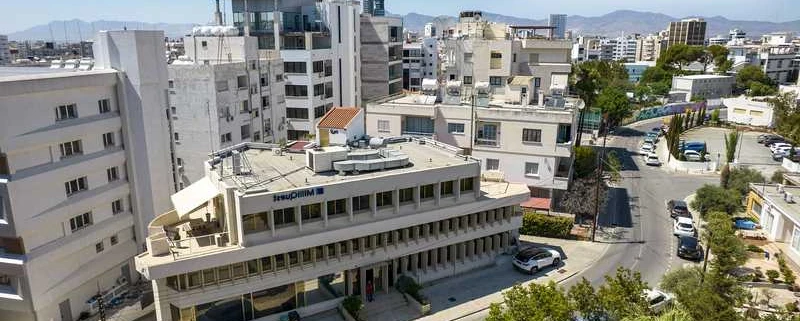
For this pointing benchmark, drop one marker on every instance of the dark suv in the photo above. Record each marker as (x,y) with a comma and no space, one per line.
(689,248)
(677,208)
(772,140)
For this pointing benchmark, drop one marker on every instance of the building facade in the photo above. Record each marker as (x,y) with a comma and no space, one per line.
(5,51)
(278,248)
(751,111)
(559,24)
(650,47)
(381,56)
(690,32)
(420,61)
(702,86)
(94,145)
(302,33)
(778,213)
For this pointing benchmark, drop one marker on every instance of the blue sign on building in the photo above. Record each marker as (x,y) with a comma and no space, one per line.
(298,194)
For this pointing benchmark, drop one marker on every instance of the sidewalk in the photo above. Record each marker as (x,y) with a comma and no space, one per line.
(455,297)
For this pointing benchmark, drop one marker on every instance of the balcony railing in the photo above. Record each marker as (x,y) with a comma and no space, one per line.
(487,142)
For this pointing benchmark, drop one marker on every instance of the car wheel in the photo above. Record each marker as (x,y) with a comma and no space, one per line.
(556,261)
(534,270)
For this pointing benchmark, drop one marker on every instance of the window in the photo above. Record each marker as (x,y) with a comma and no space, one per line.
(266,264)
(466,184)
(468,80)
(104,105)
(328,89)
(283,216)
(245,131)
(297,90)
(531,169)
(225,138)
(383,126)
(383,199)
(361,203)
(495,81)
(311,211)
(171,84)
(173,111)
(496,55)
(532,135)
(455,128)
(337,207)
(446,188)
(297,113)
(492,164)
(114,240)
(318,66)
(224,273)
(265,102)
(241,82)
(177,137)
(221,85)
(537,82)
(795,242)
(98,247)
(426,191)
(204,44)
(320,111)
(294,67)
(264,80)
(319,90)
(81,221)
(278,77)
(65,112)
(328,68)
(76,185)
(244,107)
(70,148)
(108,140)
(406,195)
(116,207)
(112,174)
(564,133)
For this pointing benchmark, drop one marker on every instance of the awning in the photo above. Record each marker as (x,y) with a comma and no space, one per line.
(521,80)
(194,196)
(537,203)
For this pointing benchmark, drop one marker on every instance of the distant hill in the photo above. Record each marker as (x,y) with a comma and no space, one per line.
(43,32)
(628,22)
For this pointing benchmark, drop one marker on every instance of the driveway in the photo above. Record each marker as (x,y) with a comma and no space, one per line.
(749,153)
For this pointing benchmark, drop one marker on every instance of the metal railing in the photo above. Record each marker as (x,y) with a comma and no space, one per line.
(198,244)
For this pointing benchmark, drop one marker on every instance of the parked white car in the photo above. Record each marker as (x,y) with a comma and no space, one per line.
(694,156)
(533,259)
(658,300)
(683,226)
(777,146)
(652,160)
(646,149)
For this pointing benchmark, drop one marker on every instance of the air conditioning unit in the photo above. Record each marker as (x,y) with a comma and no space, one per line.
(780,188)
(788,197)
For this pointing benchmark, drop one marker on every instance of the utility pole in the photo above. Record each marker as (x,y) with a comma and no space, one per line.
(600,162)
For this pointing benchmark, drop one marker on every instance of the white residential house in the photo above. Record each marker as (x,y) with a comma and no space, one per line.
(273,230)
(84,166)
(341,126)
(752,111)
(778,213)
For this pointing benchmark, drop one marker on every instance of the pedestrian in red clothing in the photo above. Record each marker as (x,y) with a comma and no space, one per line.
(370,291)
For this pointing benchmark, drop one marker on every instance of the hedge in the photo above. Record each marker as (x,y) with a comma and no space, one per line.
(546,225)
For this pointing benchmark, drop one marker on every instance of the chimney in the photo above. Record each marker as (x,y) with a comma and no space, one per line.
(218,15)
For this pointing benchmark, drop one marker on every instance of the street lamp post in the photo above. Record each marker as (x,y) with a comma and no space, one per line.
(600,162)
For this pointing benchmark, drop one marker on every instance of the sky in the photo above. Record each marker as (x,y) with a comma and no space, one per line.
(20,15)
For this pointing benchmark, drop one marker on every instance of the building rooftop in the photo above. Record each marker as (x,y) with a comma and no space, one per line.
(774,194)
(552,104)
(265,169)
(339,117)
(32,73)
(703,77)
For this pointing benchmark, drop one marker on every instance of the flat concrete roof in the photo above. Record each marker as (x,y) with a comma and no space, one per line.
(30,73)
(770,192)
(494,103)
(703,76)
(271,172)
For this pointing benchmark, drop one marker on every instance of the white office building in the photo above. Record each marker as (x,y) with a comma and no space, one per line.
(684,88)
(84,166)
(217,101)
(273,230)
(420,61)
(304,33)
(751,111)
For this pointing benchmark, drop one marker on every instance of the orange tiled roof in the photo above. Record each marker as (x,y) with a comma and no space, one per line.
(338,117)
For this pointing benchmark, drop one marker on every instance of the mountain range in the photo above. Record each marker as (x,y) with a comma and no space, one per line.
(611,24)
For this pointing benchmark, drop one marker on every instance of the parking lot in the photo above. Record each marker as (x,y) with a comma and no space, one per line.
(749,152)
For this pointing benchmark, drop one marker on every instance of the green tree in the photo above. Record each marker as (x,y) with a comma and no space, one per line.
(613,164)
(621,295)
(584,300)
(537,302)
(777,176)
(725,175)
(761,89)
(614,104)
(710,198)
(740,179)
(715,116)
(580,198)
(681,55)
(731,140)
(718,55)
(585,161)
(729,250)
(787,116)
(750,74)
(589,78)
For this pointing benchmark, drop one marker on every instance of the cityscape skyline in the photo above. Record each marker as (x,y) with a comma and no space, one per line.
(27,16)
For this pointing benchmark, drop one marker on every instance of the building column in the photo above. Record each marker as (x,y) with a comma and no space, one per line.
(349,205)
(476,186)
(462,249)
(403,264)
(437,192)
(457,189)
(271,221)
(348,283)
(496,243)
(425,259)
(426,231)
(479,247)
(471,249)
(298,218)
(435,258)
(373,204)
(417,199)
(504,241)
(394,269)
(396,200)
(363,284)
(324,210)
(414,259)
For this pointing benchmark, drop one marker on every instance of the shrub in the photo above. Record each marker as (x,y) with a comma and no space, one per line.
(408,286)
(353,305)
(777,176)
(788,275)
(758,276)
(546,225)
(773,275)
(791,307)
(754,248)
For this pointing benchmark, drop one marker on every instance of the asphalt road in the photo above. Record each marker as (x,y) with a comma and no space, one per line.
(635,221)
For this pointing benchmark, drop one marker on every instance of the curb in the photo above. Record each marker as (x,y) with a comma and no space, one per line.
(562,280)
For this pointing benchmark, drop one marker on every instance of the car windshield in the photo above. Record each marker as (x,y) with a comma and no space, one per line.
(688,242)
(685,225)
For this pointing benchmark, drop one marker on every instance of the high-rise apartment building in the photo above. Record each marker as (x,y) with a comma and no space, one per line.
(306,34)
(381,56)
(5,51)
(420,61)
(559,23)
(85,165)
(271,230)
(690,32)
(650,47)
